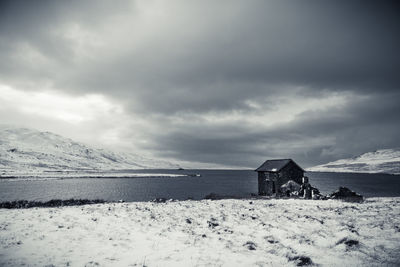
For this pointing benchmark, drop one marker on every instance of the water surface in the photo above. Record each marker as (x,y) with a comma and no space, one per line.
(224,182)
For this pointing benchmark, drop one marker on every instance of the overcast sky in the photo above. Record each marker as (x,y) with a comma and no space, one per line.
(230,83)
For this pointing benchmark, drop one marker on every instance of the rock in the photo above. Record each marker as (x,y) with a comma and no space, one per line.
(159,200)
(301,260)
(350,243)
(212,223)
(250,245)
(290,188)
(346,194)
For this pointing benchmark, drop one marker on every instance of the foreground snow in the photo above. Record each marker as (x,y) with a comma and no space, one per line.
(380,161)
(205,233)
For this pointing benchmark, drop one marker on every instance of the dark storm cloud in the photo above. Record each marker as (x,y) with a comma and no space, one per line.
(181,60)
(246,54)
(315,137)
(352,43)
(39,24)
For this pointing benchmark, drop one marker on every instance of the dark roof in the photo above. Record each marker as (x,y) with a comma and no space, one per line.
(275,165)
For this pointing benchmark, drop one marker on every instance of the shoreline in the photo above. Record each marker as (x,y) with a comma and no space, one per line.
(55,203)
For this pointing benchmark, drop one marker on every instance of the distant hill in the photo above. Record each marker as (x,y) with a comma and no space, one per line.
(380,161)
(28,150)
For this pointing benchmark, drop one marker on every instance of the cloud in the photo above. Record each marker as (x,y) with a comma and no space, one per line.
(57,105)
(93,118)
(215,82)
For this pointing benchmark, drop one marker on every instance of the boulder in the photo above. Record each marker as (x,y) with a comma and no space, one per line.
(344,193)
(290,188)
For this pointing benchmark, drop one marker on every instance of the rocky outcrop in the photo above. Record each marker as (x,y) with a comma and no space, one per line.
(344,193)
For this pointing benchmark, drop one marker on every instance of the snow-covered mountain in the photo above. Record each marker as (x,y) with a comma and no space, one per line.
(380,161)
(27,150)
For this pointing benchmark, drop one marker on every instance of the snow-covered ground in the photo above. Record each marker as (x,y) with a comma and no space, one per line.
(33,152)
(380,161)
(205,233)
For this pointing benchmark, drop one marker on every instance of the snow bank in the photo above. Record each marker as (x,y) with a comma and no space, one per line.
(205,233)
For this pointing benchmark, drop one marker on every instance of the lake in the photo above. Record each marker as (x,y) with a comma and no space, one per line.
(224,182)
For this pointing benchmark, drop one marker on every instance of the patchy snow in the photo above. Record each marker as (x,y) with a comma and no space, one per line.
(30,151)
(380,161)
(205,233)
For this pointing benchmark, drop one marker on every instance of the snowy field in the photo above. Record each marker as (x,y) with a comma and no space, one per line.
(205,233)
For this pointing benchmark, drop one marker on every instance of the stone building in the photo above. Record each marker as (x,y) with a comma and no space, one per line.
(272,174)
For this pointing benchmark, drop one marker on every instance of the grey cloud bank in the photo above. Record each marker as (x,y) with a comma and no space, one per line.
(227,82)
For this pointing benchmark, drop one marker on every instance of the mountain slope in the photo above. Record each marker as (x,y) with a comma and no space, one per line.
(23,149)
(380,161)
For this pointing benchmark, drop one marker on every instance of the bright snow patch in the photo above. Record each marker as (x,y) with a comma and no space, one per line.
(205,233)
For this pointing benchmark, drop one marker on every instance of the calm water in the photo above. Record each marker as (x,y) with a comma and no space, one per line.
(225,182)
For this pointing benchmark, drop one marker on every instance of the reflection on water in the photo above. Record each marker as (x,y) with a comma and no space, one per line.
(225,182)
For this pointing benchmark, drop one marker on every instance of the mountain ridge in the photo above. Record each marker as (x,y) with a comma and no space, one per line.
(29,150)
(379,161)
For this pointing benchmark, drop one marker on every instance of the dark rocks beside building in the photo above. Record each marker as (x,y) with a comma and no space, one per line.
(343,193)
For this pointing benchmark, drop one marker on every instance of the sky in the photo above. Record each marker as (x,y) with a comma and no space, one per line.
(206,83)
